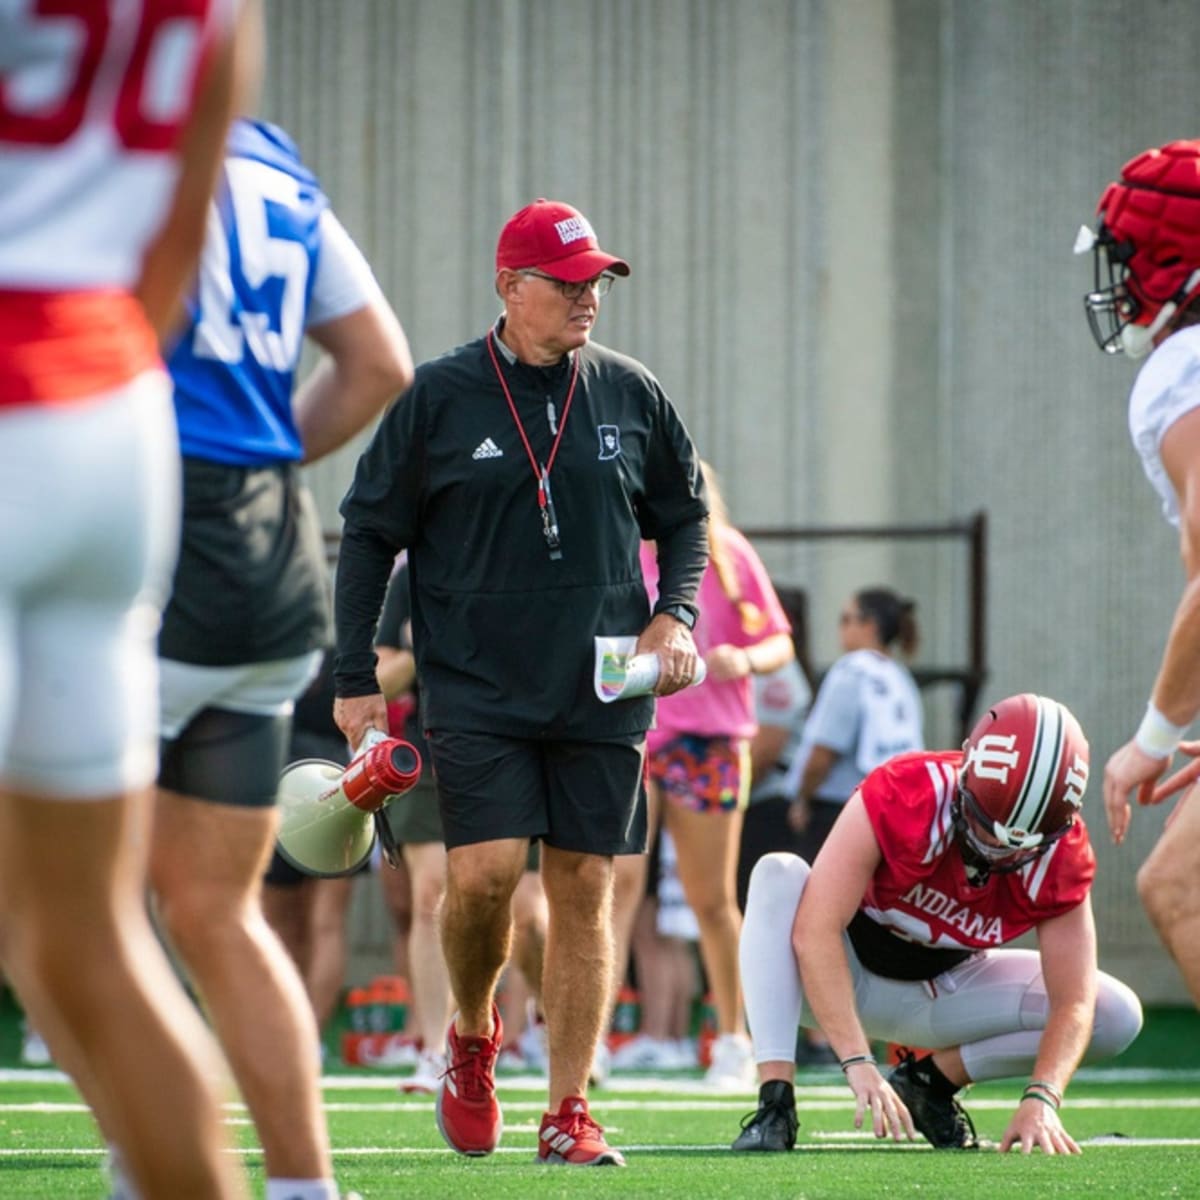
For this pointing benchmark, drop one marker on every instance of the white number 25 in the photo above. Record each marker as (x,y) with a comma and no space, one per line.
(263,255)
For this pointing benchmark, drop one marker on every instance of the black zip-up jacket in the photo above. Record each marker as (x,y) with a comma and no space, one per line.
(503,634)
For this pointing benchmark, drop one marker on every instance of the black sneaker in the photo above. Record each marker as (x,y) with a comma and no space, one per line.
(941,1118)
(773,1126)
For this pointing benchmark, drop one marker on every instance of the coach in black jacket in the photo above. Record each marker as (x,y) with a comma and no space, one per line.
(521,471)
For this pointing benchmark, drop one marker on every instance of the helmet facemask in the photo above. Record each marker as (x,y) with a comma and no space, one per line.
(1010,849)
(1110,306)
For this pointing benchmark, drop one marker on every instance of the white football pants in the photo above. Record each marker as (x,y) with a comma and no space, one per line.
(89,524)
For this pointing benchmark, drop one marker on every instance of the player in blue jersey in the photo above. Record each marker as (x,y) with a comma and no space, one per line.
(249,613)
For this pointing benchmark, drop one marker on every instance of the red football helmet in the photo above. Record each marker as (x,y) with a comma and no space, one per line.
(1024,772)
(1146,249)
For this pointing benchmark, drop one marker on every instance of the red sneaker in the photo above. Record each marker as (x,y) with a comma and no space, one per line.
(468,1113)
(571,1137)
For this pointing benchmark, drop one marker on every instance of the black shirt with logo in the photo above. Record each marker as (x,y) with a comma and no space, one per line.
(503,633)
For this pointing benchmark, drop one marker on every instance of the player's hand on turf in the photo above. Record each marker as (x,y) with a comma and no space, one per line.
(1130,769)
(873,1094)
(1037,1125)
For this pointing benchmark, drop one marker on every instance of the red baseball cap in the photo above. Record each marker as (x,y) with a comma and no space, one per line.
(556,239)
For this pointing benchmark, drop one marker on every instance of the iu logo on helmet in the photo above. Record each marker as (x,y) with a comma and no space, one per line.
(993,756)
(1075,783)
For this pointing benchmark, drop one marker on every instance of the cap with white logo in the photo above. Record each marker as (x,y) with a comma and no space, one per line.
(556,239)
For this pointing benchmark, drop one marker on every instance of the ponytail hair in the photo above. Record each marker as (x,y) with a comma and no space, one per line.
(752,619)
(894,617)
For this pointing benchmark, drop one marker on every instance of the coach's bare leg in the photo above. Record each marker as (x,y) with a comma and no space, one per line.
(1169,886)
(579,951)
(477,925)
(207,863)
(78,945)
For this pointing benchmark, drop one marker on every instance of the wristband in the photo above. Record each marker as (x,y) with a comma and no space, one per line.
(1048,1088)
(857,1060)
(1156,736)
(1028,1095)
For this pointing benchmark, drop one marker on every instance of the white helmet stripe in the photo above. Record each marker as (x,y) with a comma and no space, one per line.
(1040,778)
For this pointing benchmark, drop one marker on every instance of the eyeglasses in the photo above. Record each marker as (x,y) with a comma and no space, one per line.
(573,291)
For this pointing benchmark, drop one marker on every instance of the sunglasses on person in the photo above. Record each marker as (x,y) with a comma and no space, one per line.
(600,284)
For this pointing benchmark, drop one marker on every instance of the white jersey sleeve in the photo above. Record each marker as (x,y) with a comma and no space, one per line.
(1167,387)
(344,281)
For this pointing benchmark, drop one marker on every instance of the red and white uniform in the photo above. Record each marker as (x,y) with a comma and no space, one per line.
(992,1004)
(920,890)
(94,98)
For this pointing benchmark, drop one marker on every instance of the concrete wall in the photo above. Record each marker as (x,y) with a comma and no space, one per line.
(850,225)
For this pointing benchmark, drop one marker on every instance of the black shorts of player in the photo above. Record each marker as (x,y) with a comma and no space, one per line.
(587,797)
(251,584)
(226,757)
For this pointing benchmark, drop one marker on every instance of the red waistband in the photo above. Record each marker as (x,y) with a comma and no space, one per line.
(56,347)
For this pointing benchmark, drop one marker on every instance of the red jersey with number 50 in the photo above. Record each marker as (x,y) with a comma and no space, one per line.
(920,890)
(94,98)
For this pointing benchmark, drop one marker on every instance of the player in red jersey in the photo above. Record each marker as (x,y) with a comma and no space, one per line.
(112,124)
(901,931)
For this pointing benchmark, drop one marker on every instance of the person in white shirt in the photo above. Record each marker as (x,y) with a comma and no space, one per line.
(867,709)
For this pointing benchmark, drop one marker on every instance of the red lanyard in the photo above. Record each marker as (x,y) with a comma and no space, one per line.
(541,474)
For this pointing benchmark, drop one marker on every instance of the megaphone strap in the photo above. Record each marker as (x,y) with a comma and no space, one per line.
(388,845)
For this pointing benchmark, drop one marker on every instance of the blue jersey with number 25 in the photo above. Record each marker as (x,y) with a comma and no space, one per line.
(234,365)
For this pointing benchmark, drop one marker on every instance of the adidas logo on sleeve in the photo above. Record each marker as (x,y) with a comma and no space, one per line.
(487,449)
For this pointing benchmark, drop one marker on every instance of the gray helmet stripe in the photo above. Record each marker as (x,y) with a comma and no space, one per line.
(1035,796)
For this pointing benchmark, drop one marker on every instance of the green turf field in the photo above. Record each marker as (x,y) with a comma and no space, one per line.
(1139,1123)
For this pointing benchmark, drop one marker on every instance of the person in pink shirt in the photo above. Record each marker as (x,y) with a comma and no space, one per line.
(699,765)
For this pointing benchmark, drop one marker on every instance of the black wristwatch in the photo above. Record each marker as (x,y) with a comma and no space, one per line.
(681,613)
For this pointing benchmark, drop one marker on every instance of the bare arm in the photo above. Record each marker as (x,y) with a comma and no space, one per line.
(832,895)
(1176,692)
(816,768)
(1068,950)
(170,259)
(765,748)
(367,364)
(727,661)
(396,669)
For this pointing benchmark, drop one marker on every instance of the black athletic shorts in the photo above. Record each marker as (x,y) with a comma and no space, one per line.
(251,584)
(588,797)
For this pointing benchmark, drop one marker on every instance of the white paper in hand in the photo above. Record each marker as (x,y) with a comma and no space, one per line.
(620,674)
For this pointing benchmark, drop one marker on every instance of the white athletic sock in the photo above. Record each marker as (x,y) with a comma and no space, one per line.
(301,1189)
(770,980)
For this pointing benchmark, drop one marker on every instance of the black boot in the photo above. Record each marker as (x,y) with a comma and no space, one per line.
(929,1097)
(774,1125)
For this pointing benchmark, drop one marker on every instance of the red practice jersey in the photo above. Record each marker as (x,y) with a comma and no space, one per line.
(920,891)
